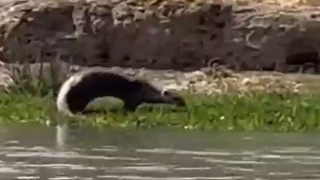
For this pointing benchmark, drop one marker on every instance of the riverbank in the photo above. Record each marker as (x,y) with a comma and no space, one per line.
(247,111)
(193,36)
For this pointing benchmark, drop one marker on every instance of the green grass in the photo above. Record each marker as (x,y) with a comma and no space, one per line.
(286,112)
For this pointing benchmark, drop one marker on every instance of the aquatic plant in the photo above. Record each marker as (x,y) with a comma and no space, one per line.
(254,111)
(247,108)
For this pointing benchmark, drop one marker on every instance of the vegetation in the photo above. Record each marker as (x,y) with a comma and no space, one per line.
(252,111)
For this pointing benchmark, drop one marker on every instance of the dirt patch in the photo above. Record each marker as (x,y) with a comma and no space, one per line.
(227,81)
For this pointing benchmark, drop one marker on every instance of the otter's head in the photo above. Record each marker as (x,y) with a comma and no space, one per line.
(153,94)
(174,98)
(147,93)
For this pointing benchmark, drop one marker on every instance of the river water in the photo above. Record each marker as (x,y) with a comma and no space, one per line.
(41,152)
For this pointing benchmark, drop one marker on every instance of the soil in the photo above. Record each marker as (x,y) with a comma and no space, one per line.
(217,81)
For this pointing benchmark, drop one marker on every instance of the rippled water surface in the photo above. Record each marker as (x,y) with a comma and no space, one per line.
(39,152)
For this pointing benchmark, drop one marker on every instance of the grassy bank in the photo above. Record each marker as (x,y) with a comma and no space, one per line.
(250,112)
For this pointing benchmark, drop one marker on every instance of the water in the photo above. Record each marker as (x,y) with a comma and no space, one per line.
(39,152)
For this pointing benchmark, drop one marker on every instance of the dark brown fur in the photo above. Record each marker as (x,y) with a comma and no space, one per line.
(98,82)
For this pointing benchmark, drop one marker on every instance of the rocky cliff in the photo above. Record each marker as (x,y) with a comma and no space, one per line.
(163,34)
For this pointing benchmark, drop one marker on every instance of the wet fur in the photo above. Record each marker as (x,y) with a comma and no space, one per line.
(85,86)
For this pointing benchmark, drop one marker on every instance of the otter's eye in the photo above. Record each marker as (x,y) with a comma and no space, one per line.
(165,93)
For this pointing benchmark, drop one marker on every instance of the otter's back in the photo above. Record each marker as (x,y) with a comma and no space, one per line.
(102,83)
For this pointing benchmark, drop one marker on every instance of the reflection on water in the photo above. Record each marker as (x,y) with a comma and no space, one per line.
(39,152)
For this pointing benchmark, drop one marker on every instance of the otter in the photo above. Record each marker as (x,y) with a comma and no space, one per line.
(84,86)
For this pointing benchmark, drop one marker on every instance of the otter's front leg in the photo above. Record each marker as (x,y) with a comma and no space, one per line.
(78,105)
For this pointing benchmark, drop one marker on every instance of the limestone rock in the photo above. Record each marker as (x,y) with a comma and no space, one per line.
(162,34)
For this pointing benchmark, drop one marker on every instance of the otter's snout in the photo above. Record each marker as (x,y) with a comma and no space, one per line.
(180,102)
(174,98)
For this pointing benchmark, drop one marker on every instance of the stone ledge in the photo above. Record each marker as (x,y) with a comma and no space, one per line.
(212,82)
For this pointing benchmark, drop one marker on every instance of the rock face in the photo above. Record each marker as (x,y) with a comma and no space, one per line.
(125,33)
(159,34)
